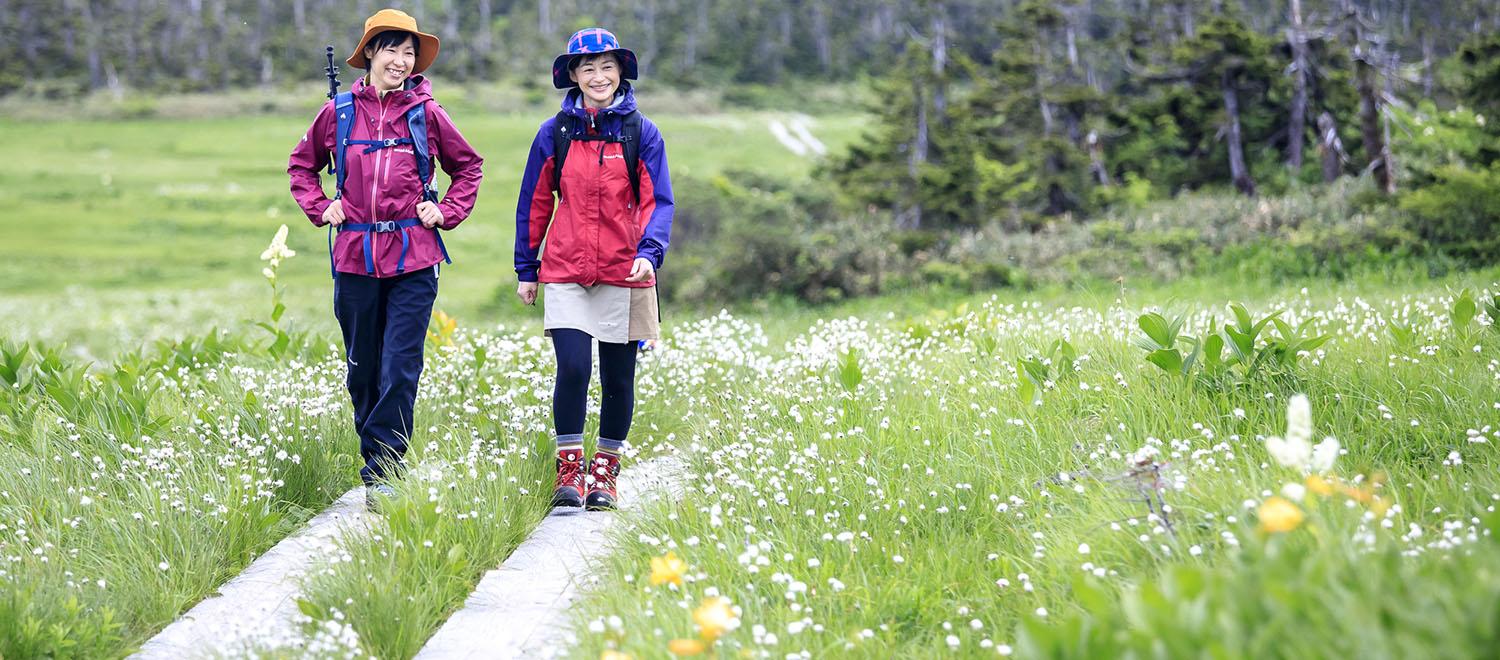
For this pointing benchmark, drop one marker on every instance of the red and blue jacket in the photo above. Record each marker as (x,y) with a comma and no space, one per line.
(593,227)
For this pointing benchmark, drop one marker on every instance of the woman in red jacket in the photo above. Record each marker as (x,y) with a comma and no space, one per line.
(387,215)
(606,232)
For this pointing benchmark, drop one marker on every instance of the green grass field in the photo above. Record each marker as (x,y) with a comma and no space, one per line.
(928,475)
(149,213)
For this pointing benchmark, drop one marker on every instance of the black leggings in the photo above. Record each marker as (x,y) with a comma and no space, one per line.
(616,377)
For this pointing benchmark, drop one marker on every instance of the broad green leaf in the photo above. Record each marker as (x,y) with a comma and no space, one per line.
(1168,359)
(1155,327)
(1241,317)
(1464,309)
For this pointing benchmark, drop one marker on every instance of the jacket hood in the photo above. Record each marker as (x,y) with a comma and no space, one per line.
(417,89)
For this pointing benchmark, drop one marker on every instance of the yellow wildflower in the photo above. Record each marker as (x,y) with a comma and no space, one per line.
(667,568)
(686,647)
(714,617)
(1278,515)
(1318,485)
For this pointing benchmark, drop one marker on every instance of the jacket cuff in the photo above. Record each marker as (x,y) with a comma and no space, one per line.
(527,275)
(650,253)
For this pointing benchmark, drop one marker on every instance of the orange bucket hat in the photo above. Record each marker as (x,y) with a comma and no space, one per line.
(395,19)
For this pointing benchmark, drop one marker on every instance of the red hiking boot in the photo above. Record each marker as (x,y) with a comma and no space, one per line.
(603,468)
(569,489)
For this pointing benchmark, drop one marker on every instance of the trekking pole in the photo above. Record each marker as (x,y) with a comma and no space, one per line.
(332,70)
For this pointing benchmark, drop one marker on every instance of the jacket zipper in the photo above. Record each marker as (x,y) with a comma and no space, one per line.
(375,178)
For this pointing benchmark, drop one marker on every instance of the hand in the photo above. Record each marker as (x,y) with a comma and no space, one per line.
(429,214)
(334,214)
(643,271)
(527,292)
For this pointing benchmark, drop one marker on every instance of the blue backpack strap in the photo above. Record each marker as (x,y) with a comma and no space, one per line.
(343,108)
(416,124)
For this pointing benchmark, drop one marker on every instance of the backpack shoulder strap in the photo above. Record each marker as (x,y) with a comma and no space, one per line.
(630,136)
(416,124)
(343,108)
(561,138)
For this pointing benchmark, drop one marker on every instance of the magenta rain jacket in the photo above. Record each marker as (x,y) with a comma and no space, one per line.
(383,185)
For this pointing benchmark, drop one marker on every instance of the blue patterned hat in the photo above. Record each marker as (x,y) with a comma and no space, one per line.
(590,41)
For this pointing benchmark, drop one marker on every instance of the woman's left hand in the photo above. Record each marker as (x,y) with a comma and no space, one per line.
(429,214)
(642,272)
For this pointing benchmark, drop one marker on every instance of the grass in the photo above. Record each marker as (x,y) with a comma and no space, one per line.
(151,212)
(831,513)
(929,510)
(869,479)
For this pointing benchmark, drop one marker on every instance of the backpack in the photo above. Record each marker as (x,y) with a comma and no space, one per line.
(629,138)
(416,124)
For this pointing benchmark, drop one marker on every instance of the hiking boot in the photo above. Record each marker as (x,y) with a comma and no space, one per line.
(603,469)
(375,494)
(569,489)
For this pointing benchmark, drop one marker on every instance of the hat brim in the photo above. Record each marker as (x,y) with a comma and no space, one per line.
(427,49)
(563,64)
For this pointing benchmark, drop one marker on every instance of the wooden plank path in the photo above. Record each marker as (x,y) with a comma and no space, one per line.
(520,609)
(261,601)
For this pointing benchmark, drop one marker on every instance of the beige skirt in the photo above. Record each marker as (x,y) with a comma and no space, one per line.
(609,313)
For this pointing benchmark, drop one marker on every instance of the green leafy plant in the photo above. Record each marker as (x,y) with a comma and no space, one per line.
(1034,373)
(1251,349)
(850,374)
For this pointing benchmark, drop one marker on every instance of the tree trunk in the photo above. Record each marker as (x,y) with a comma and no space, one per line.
(1427,64)
(1330,147)
(912,218)
(1096,160)
(1237,169)
(1376,153)
(450,26)
(1297,124)
(823,38)
(647,53)
(91,34)
(28,42)
(1041,97)
(544,18)
(1071,14)
(1369,123)
(783,41)
(696,27)
(482,40)
(939,62)
(219,37)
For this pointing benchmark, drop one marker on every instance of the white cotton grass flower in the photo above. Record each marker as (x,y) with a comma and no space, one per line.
(1296,449)
(1299,420)
(1294,491)
(1324,455)
(1289,453)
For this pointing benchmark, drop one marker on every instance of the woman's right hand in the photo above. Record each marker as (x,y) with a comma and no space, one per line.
(527,292)
(334,214)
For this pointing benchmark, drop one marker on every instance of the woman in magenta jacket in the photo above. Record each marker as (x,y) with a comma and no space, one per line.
(387,250)
(606,231)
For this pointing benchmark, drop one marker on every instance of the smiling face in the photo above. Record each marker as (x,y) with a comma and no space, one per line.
(598,77)
(392,56)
